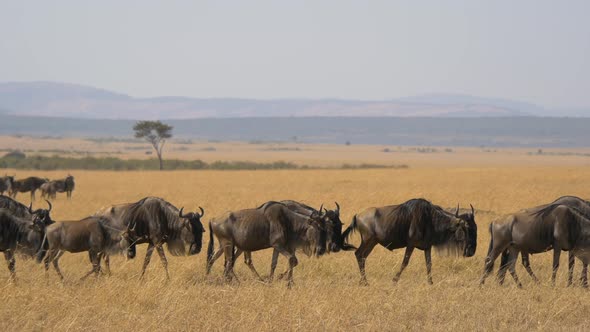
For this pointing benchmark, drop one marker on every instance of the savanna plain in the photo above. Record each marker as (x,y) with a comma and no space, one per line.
(327,294)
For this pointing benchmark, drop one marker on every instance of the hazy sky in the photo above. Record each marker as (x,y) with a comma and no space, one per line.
(537,51)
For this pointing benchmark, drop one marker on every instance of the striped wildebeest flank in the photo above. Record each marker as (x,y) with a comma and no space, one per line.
(30,184)
(272,225)
(6,184)
(21,234)
(554,227)
(581,205)
(92,234)
(334,240)
(27,246)
(154,221)
(416,223)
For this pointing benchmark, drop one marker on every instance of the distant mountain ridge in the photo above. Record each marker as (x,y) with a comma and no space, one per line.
(77,101)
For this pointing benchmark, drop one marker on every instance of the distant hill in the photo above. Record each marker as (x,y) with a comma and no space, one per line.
(534,132)
(75,101)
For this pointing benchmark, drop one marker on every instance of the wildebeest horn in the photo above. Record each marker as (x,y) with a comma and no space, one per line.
(472,209)
(31,207)
(457,212)
(180,213)
(50,207)
(337,207)
(321,207)
(202,212)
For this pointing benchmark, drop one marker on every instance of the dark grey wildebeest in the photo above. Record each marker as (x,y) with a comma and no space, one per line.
(29,245)
(18,233)
(157,222)
(581,205)
(70,185)
(6,184)
(416,223)
(92,234)
(272,225)
(334,240)
(30,184)
(554,227)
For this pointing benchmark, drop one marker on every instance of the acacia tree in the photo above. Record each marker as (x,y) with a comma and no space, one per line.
(156,133)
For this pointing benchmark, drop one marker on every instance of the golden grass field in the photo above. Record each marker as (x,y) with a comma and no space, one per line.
(326,295)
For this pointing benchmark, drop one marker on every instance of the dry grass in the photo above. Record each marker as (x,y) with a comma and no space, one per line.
(326,295)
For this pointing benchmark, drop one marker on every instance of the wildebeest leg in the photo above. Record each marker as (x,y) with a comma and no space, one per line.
(228,272)
(512,266)
(9,256)
(584,276)
(556,254)
(273,264)
(95,260)
(162,255)
(428,258)
(56,264)
(250,264)
(405,262)
(146,261)
(361,254)
(570,268)
(216,256)
(292,263)
(32,195)
(504,263)
(107,264)
(527,265)
(489,263)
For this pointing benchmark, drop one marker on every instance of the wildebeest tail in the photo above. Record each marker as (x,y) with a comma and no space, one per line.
(42,249)
(491,238)
(210,246)
(347,232)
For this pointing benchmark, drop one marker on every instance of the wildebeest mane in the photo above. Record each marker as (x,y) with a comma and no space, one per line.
(151,214)
(16,208)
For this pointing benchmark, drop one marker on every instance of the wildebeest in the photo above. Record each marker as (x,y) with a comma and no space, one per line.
(334,240)
(21,234)
(554,227)
(6,184)
(581,205)
(92,234)
(416,223)
(30,184)
(271,225)
(69,185)
(28,246)
(51,188)
(157,222)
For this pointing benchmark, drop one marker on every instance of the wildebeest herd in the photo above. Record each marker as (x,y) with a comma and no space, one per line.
(288,226)
(49,188)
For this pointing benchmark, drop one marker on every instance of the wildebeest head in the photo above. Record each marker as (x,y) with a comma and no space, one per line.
(316,233)
(463,234)
(41,215)
(194,236)
(471,233)
(128,240)
(334,239)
